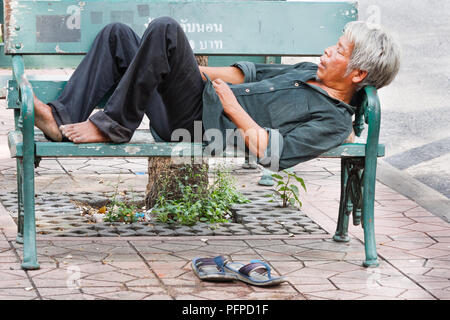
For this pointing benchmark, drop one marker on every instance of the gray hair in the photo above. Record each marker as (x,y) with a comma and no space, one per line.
(375,51)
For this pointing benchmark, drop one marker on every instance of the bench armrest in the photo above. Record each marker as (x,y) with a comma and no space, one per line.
(372,115)
(26,119)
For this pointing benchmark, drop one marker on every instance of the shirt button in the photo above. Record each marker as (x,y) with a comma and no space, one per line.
(272,88)
(296,84)
(247,90)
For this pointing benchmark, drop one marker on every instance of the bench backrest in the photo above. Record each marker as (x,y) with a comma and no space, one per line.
(270,28)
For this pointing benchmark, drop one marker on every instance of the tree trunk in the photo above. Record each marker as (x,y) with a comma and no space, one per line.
(165,177)
(164,174)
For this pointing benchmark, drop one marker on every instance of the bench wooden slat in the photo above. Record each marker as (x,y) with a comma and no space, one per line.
(214,28)
(143,145)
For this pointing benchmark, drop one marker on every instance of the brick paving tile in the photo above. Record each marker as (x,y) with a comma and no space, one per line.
(245,256)
(138,273)
(16,283)
(17,293)
(142,282)
(168,269)
(400,281)
(154,290)
(430,253)
(296,278)
(273,296)
(334,295)
(442,239)
(137,264)
(75,296)
(111,276)
(188,297)
(405,245)
(158,297)
(425,227)
(384,230)
(320,255)
(383,291)
(8,257)
(147,247)
(311,288)
(394,222)
(416,294)
(123,295)
(214,250)
(443,284)
(308,272)
(378,298)
(408,263)
(175,247)
(441,294)
(429,220)
(330,245)
(53,292)
(270,256)
(176,282)
(424,278)
(438,272)
(91,267)
(393,254)
(358,276)
(338,266)
(438,263)
(412,236)
(286,267)
(150,257)
(442,246)
(441,233)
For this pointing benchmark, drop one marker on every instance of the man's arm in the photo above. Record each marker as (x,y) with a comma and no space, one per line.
(231,75)
(256,138)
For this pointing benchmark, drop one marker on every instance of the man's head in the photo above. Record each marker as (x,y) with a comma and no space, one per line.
(364,55)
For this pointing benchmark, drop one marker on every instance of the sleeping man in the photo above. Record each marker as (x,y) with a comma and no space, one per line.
(285,114)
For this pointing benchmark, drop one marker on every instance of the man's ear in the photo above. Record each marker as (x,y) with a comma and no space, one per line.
(358,76)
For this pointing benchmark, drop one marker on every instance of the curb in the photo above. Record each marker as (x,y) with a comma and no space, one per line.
(403,183)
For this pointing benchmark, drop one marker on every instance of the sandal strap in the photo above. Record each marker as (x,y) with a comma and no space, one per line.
(254,265)
(218,261)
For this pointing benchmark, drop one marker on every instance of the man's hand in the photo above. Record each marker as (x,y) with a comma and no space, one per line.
(255,137)
(226,96)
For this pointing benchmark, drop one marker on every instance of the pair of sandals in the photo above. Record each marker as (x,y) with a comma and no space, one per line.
(256,272)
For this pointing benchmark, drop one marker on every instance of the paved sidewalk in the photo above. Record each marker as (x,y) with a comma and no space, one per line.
(413,245)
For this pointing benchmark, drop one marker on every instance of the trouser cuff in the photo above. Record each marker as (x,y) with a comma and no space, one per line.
(110,128)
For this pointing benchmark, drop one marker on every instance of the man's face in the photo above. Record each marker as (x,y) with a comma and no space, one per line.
(334,62)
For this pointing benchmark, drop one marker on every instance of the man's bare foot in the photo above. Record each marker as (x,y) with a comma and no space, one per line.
(43,119)
(83,132)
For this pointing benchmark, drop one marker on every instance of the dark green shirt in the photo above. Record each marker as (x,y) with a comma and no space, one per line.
(302,120)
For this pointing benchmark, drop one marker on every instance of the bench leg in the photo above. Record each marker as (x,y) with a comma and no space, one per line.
(19,166)
(29,224)
(368,217)
(341,234)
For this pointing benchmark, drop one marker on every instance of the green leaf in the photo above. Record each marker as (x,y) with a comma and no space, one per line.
(300,180)
(277,176)
(294,189)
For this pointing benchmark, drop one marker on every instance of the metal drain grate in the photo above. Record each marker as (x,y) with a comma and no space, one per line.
(57,215)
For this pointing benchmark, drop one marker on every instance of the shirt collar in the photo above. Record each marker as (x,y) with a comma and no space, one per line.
(309,74)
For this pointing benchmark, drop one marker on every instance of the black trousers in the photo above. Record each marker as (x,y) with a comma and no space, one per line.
(157,75)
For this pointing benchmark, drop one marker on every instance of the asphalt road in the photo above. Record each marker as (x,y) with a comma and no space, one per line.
(416,107)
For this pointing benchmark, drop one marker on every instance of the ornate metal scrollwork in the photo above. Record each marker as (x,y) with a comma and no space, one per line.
(354,189)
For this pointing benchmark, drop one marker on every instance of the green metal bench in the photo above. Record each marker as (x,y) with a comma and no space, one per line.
(215,28)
